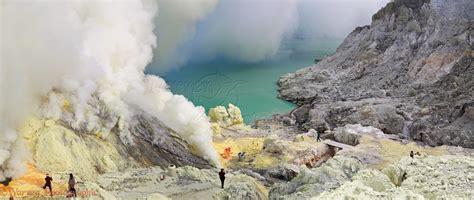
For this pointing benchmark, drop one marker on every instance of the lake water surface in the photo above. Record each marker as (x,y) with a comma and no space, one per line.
(250,86)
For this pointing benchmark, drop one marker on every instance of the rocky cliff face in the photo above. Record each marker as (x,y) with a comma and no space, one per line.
(409,73)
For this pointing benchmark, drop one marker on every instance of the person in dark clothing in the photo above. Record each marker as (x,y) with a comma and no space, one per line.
(241,156)
(222,177)
(411,155)
(404,177)
(318,137)
(47,184)
(6,181)
(71,186)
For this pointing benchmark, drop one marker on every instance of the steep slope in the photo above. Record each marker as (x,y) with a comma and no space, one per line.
(57,147)
(409,73)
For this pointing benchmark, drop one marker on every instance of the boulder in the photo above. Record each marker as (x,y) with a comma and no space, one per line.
(351,133)
(219,117)
(311,182)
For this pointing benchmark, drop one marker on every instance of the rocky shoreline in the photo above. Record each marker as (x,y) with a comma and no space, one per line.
(409,73)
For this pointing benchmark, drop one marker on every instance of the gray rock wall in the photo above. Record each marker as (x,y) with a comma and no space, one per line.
(409,73)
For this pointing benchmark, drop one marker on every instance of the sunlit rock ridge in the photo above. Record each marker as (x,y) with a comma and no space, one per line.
(408,73)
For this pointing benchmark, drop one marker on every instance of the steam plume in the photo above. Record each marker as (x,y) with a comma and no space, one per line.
(175,24)
(255,30)
(77,50)
(247,30)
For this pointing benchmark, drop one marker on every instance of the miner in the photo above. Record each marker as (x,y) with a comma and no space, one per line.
(222,177)
(72,186)
(47,184)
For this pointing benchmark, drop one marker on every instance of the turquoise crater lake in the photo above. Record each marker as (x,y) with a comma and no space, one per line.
(250,86)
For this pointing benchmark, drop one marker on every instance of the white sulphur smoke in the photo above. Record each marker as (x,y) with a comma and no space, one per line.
(248,30)
(83,48)
(256,30)
(37,49)
(335,18)
(175,24)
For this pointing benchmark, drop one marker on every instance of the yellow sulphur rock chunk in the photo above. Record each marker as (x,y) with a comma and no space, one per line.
(67,106)
(235,115)
(216,129)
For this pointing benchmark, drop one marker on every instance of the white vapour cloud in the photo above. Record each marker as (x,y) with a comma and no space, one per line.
(247,30)
(31,65)
(335,18)
(79,49)
(177,113)
(176,23)
(255,30)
